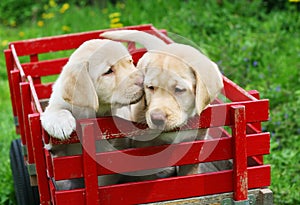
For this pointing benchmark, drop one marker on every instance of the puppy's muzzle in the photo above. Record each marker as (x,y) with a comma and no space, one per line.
(158,119)
(139,80)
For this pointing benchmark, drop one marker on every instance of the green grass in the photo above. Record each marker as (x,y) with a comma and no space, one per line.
(7,133)
(257,50)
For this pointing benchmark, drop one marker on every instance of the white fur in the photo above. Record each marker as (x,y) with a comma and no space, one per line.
(83,90)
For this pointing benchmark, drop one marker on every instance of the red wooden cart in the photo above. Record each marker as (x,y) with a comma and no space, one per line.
(235,127)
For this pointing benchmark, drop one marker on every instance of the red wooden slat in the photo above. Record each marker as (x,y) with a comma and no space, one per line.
(234,92)
(222,150)
(35,99)
(16,103)
(48,161)
(26,109)
(137,54)
(35,58)
(168,189)
(70,197)
(17,62)
(39,158)
(62,42)
(218,115)
(251,128)
(44,68)
(213,116)
(52,191)
(255,94)
(9,69)
(62,163)
(89,164)
(254,160)
(256,180)
(43,90)
(240,174)
(258,144)
(255,127)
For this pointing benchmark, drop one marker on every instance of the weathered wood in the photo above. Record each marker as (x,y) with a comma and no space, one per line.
(265,197)
(261,197)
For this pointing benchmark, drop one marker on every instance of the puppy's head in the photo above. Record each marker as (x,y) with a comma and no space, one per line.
(169,90)
(179,83)
(101,72)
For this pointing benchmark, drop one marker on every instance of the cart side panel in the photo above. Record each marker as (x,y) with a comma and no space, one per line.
(222,151)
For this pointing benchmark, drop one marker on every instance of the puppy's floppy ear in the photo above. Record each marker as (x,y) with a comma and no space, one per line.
(202,97)
(209,83)
(77,86)
(209,78)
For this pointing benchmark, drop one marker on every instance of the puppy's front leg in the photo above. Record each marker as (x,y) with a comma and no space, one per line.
(59,123)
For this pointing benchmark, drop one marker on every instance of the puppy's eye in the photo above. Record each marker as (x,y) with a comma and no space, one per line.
(150,87)
(109,71)
(179,90)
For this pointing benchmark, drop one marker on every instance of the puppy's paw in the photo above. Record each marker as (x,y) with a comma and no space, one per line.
(59,124)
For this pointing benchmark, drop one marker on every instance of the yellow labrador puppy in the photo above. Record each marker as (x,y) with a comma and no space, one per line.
(98,78)
(180,82)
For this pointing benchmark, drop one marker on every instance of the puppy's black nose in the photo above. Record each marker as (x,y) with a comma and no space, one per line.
(158,118)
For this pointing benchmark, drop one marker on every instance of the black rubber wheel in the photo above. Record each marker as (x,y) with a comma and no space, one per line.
(25,193)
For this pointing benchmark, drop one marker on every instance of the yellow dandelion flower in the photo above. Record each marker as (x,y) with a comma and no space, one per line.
(52,3)
(66,28)
(120,5)
(114,15)
(21,34)
(116,25)
(4,43)
(48,15)
(115,20)
(64,7)
(40,23)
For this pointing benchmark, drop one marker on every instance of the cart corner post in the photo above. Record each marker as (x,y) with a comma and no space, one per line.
(89,162)
(38,149)
(240,174)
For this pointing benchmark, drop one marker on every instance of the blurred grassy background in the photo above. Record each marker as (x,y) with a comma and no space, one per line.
(256,44)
